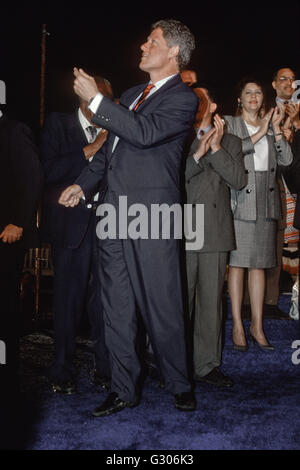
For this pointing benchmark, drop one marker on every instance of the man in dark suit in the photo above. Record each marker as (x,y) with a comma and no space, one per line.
(68,144)
(141,161)
(20,188)
(214,164)
(282,84)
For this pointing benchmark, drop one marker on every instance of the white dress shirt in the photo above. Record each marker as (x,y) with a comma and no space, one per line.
(261,154)
(85,123)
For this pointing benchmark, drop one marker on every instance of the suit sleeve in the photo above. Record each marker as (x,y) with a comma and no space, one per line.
(91,177)
(174,115)
(284,152)
(247,144)
(228,162)
(62,161)
(193,168)
(27,173)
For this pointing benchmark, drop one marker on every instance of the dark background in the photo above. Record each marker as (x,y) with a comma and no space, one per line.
(233,39)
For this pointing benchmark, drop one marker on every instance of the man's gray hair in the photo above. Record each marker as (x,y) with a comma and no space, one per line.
(177,34)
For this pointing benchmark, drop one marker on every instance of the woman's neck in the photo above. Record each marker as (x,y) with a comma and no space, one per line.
(251,118)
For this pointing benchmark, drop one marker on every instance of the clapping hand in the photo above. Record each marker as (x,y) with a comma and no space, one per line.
(278,117)
(204,144)
(84,85)
(215,142)
(265,121)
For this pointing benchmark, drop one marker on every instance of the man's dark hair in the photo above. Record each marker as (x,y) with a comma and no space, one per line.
(277,70)
(177,34)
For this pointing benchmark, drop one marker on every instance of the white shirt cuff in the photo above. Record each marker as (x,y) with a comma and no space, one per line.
(93,106)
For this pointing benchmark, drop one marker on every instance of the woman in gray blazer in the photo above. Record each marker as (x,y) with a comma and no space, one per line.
(256,207)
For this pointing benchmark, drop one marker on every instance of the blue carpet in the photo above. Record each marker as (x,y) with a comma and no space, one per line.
(261,411)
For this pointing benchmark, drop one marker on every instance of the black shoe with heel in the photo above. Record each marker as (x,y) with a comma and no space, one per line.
(264,347)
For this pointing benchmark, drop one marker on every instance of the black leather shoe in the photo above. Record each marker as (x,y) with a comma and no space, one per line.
(111,405)
(66,388)
(215,377)
(101,380)
(185,401)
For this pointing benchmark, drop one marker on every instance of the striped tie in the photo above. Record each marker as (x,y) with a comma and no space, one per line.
(144,95)
(93,133)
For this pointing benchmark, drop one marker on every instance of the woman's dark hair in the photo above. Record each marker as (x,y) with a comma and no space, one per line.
(239,89)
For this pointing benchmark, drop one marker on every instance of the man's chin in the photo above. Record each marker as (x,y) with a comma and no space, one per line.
(143,66)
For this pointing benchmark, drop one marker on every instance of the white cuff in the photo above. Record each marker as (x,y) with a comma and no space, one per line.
(94,104)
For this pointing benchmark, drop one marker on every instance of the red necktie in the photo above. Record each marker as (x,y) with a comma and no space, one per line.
(144,95)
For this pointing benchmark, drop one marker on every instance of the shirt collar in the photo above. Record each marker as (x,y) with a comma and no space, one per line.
(161,82)
(83,120)
(280,100)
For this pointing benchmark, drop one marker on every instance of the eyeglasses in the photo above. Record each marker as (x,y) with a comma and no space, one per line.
(285,79)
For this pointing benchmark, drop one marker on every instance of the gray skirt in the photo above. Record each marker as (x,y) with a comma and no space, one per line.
(256,240)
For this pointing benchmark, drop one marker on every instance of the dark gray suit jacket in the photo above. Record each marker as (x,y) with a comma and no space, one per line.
(208,183)
(145,165)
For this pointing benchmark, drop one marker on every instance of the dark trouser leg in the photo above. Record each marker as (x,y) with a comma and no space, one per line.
(71,275)
(208,311)
(11,265)
(119,310)
(154,271)
(95,312)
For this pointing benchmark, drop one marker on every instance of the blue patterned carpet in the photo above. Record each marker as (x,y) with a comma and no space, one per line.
(261,411)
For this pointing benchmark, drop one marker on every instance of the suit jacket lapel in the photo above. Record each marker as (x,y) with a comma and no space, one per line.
(152,99)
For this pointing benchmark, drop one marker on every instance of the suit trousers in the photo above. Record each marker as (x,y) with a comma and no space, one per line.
(76,287)
(206,276)
(143,276)
(11,265)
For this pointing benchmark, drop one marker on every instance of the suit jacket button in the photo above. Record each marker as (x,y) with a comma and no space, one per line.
(248,191)
(215,205)
(247,172)
(271,189)
(110,167)
(188,181)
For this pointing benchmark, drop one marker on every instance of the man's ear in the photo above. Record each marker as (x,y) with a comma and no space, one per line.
(173,51)
(274,85)
(213,107)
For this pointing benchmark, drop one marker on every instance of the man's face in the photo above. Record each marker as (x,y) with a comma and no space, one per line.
(155,52)
(283,83)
